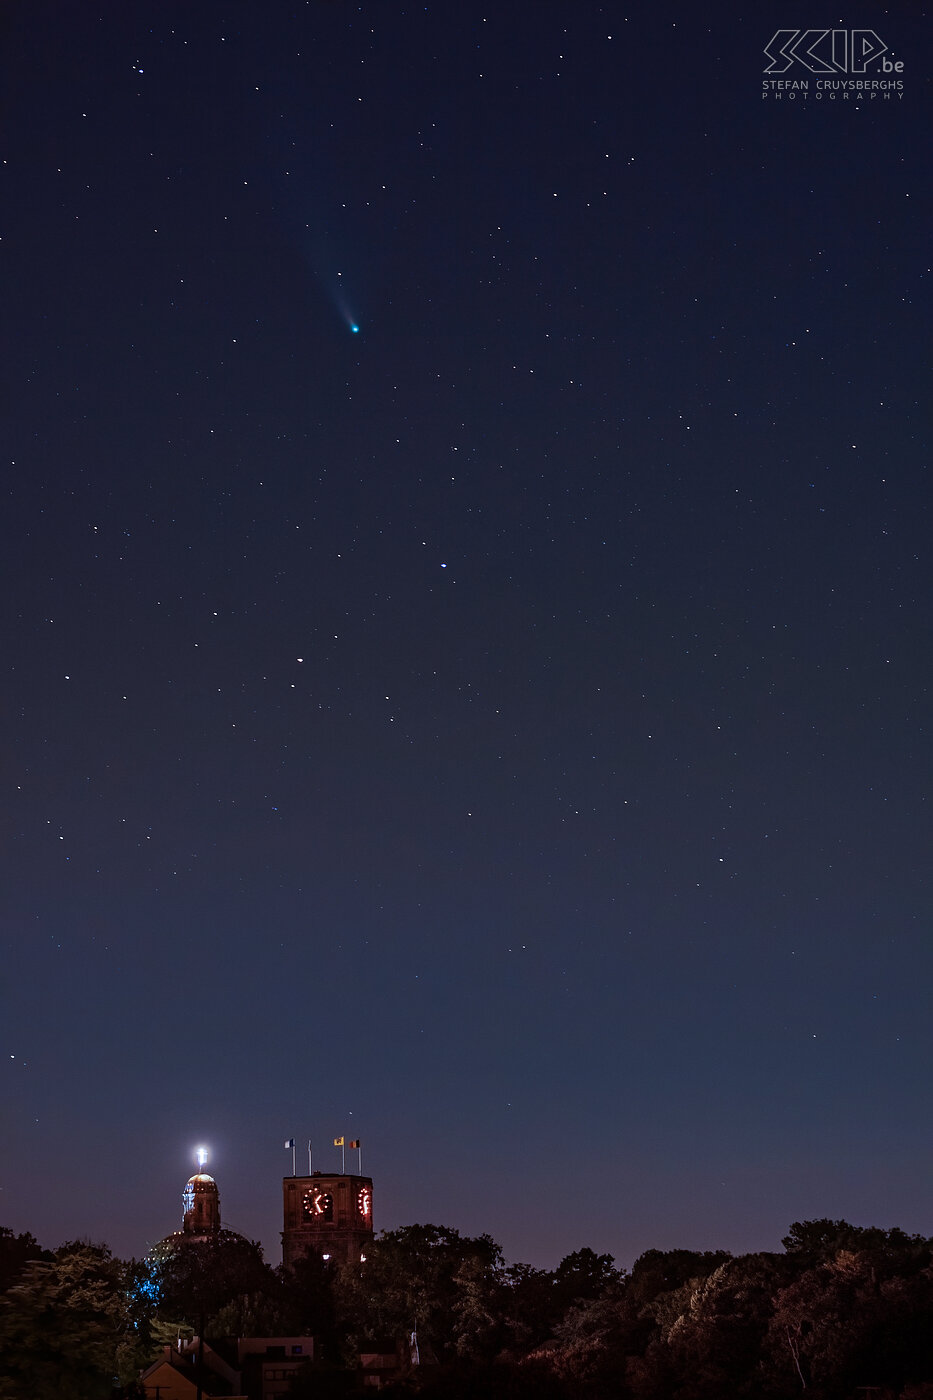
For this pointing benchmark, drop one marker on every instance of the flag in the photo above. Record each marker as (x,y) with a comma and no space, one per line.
(338,1142)
(355,1142)
(290,1143)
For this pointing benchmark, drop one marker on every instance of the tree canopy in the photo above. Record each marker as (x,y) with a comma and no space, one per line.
(62,1325)
(843,1307)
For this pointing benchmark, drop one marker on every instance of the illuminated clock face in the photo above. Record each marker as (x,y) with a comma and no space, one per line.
(364,1202)
(317,1204)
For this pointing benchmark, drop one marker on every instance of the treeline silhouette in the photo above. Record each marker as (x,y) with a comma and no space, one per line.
(844,1311)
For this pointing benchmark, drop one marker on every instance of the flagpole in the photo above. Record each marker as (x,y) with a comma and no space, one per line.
(310,1173)
(294,1170)
(360,1151)
(343,1155)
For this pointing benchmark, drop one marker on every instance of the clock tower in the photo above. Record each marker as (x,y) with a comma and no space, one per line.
(330,1216)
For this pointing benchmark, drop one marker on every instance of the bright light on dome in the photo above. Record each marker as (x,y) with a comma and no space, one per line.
(201,1154)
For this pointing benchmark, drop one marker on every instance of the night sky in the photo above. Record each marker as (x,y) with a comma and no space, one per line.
(466,665)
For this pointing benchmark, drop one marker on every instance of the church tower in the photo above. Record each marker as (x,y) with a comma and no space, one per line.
(202,1206)
(330,1216)
(201,1201)
(201,1223)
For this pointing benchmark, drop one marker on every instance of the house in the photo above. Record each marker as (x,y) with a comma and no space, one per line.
(174,1375)
(267,1364)
(251,1368)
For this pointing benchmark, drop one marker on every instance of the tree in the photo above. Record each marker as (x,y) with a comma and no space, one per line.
(813,1242)
(16,1251)
(592,1344)
(535,1303)
(659,1271)
(843,1324)
(308,1305)
(713,1330)
(528,1306)
(197,1279)
(479,1326)
(584,1274)
(426,1279)
(62,1324)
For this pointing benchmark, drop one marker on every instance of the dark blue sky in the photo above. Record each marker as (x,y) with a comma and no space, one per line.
(501,734)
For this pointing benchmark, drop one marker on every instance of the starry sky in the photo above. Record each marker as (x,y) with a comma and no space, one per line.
(466,593)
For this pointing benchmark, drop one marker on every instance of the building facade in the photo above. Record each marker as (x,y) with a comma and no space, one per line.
(327,1215)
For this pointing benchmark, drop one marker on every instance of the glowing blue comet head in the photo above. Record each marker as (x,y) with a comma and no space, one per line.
(352,324)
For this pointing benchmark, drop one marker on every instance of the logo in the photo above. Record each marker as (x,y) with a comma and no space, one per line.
(828,51)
